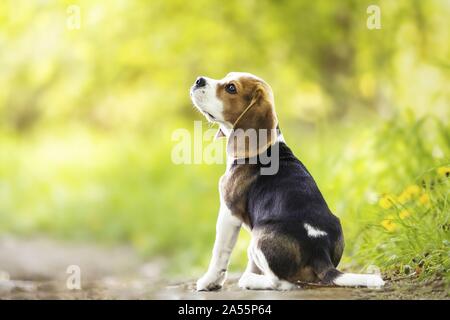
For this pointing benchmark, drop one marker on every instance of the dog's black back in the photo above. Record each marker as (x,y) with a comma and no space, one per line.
(282,204)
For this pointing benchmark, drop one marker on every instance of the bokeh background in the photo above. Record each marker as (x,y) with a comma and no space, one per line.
(87,115)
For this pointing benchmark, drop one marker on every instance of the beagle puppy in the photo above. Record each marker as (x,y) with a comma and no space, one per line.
(295,237)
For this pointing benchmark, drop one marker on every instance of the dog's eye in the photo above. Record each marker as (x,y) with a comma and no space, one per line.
(231,88)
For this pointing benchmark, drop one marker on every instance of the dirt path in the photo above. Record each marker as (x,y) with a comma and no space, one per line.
(37,269)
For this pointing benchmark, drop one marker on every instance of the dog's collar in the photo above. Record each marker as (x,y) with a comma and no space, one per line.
(278,140)
(241,115)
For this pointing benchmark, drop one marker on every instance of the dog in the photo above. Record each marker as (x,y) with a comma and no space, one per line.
(295,236)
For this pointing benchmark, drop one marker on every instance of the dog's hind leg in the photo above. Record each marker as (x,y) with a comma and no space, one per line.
(253,277)
(259,276)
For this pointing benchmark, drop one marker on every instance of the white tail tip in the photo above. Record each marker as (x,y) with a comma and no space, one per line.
(359,280)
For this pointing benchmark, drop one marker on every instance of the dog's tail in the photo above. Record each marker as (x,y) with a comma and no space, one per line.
(338,278)
(328,274)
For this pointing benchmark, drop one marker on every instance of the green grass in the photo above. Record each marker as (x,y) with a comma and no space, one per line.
(121,187)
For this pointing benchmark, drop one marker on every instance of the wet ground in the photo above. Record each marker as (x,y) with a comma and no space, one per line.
(38,269)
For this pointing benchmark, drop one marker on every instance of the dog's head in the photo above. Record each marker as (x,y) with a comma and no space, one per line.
(238,101)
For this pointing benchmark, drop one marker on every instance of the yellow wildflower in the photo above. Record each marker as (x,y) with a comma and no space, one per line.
(404,214)
(386,201)
(410,192)
(444,171)
(413,190)
(424,199)
(389,224)
(404,197)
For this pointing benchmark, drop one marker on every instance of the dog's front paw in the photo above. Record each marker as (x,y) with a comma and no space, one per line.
(211,281)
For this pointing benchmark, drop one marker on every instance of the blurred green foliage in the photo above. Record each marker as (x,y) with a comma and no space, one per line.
(86,118)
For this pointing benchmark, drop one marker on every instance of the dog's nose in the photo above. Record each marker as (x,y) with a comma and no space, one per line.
(200,82)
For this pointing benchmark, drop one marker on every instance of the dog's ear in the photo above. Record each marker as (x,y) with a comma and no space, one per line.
(219,134)
(255,131)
